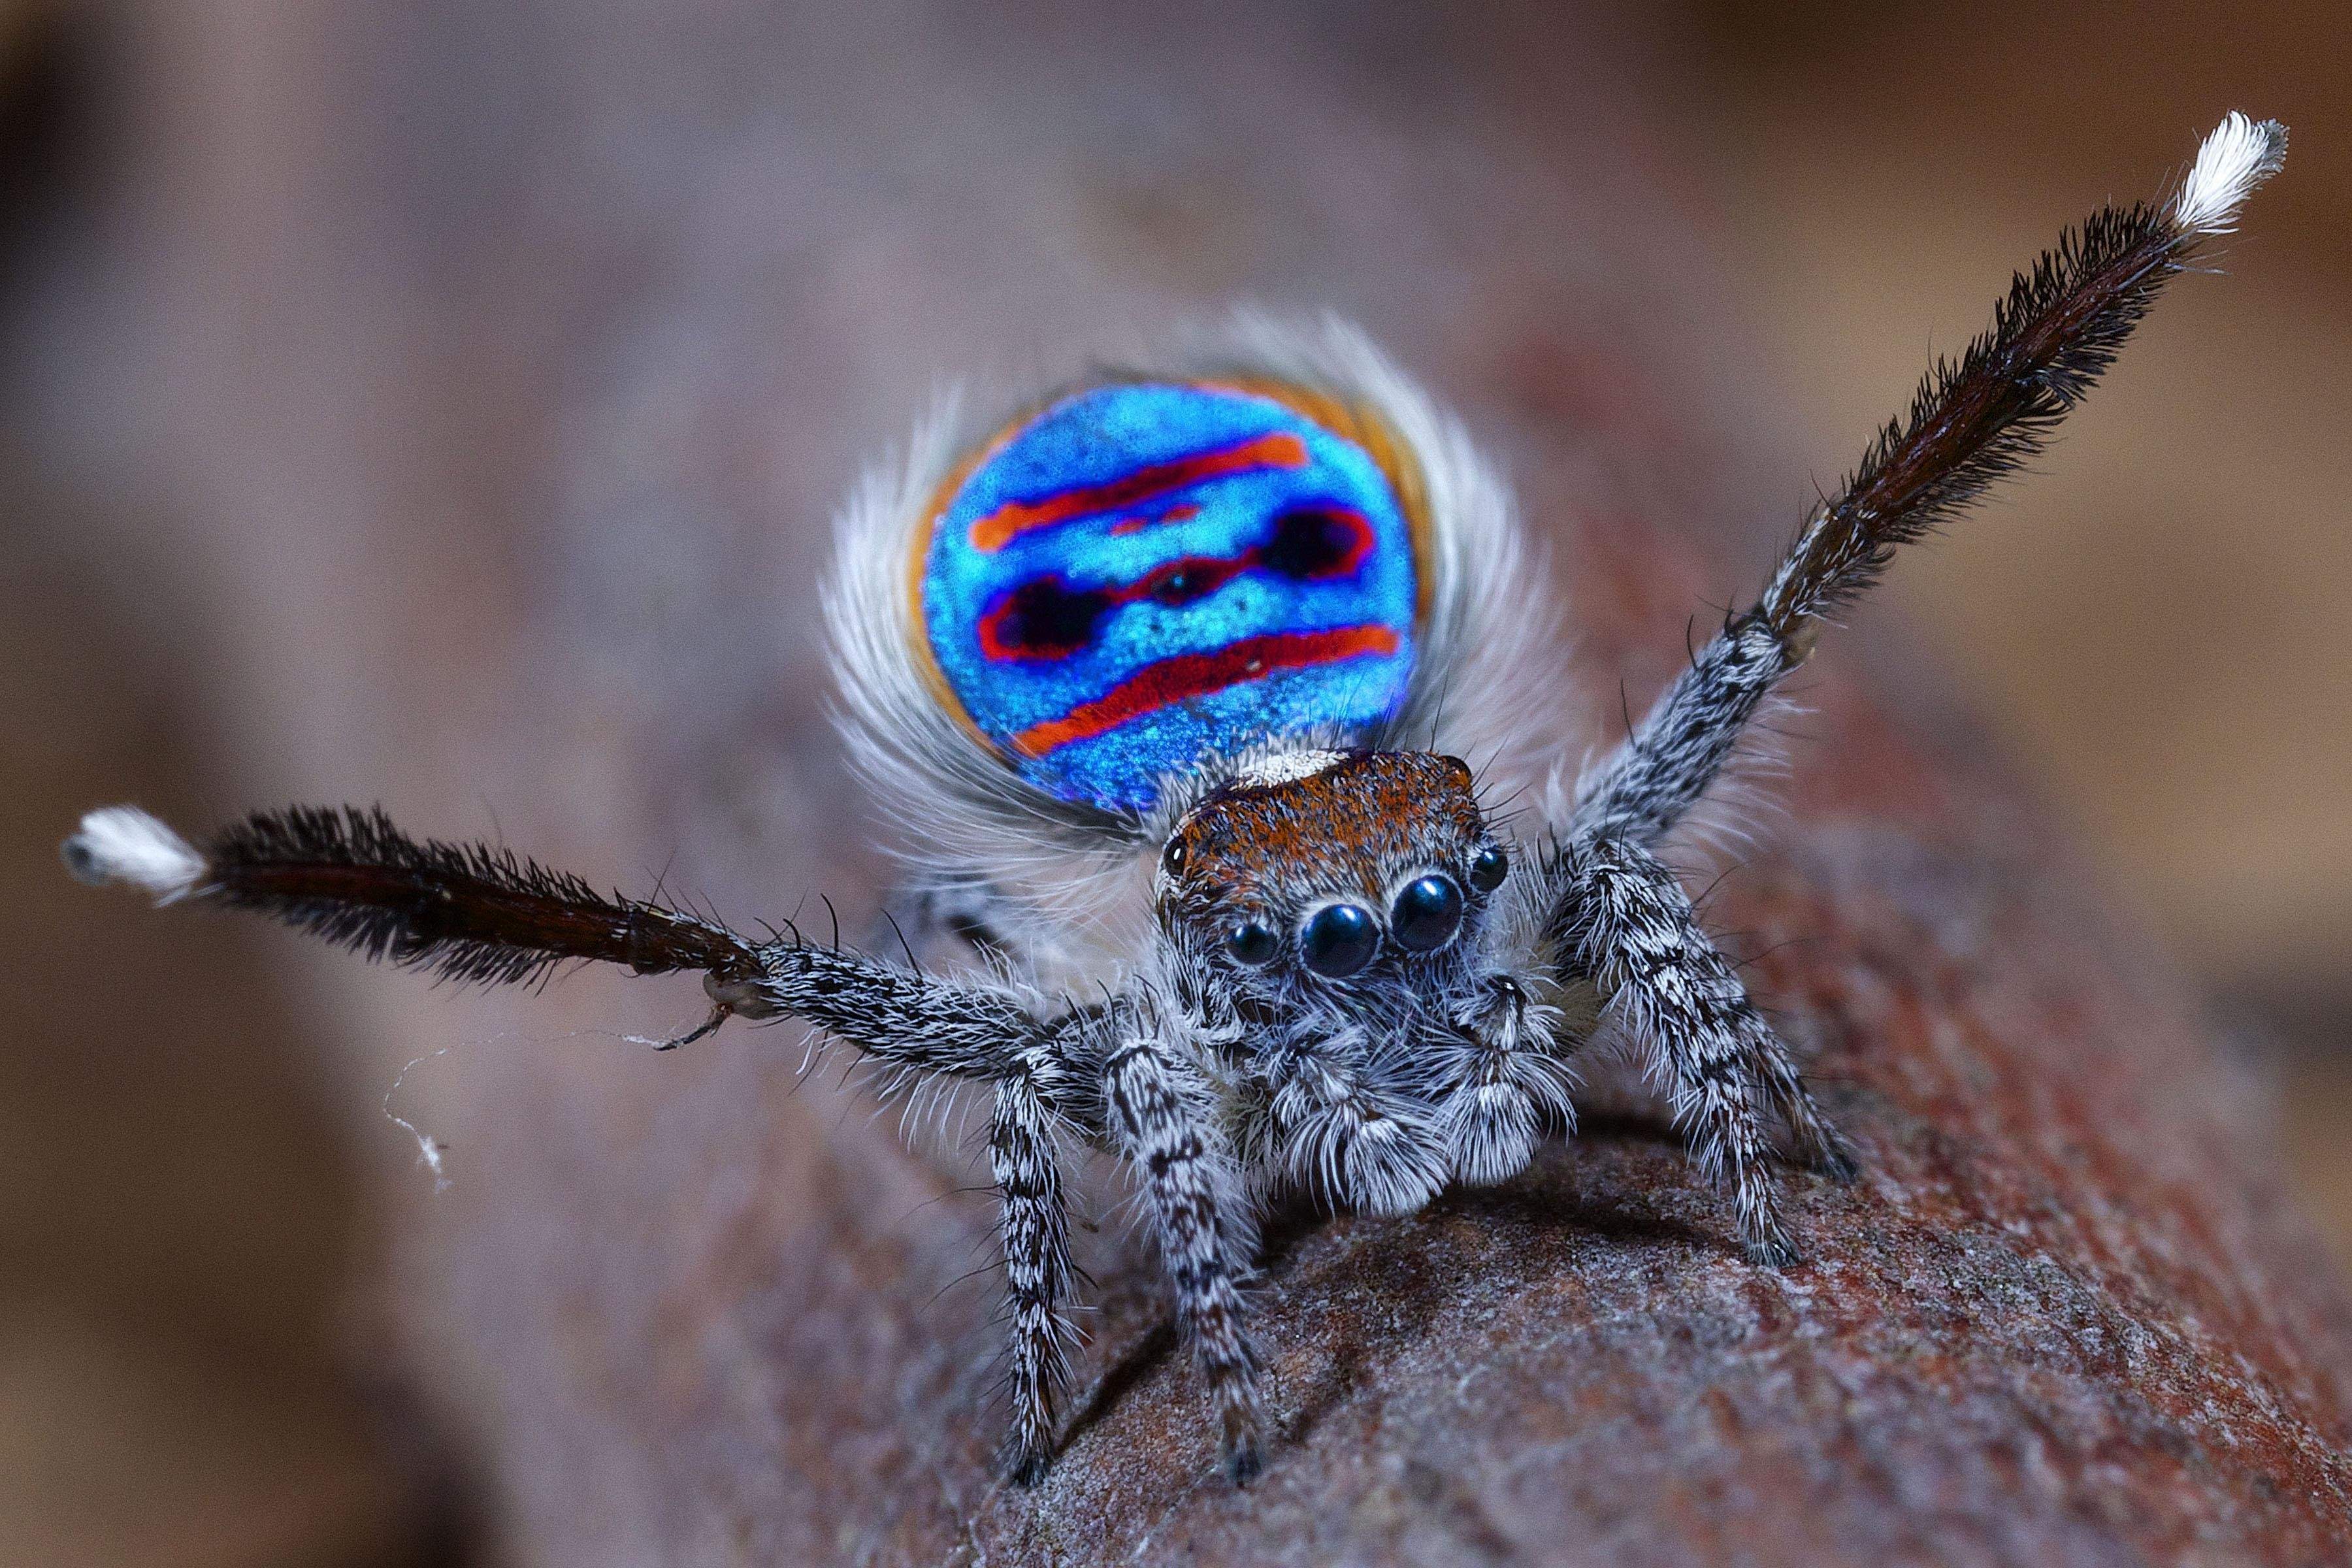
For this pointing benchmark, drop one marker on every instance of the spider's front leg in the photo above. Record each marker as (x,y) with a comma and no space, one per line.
(1627,923)
(1162,1115)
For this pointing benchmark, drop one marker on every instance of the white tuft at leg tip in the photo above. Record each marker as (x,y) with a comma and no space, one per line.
(2239,155)
(124,844)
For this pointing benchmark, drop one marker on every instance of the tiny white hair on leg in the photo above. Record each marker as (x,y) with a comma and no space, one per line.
(2239,155)
(124,844)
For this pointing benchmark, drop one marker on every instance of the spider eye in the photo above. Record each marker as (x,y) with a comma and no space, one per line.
(1171,859)
(1253,943)
(1427,913)
(1487,872)
(1338,938)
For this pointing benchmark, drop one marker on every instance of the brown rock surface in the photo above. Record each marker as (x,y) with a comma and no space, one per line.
(495,372)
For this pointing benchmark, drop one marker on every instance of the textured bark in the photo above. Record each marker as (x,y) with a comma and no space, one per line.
(564,332)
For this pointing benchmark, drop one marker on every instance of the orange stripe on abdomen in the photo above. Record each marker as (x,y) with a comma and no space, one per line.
(1281,449)
(1191,675)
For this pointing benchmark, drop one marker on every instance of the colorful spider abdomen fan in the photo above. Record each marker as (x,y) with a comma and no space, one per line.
(1147,574)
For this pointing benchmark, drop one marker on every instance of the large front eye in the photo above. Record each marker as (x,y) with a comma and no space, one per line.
(1427,913)
(1338,938)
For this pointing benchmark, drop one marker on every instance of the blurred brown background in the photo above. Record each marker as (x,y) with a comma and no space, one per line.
(305,313)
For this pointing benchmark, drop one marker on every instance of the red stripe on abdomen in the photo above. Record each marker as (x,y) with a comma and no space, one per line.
(1191,675)
(1046,619)
(1280,449)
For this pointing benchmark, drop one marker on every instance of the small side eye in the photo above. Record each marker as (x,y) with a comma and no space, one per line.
(1487,872)
(1427,913)
(1172,858)
(1338,939)
(1253,943)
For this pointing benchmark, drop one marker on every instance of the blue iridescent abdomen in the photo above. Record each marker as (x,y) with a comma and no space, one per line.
(1144,575)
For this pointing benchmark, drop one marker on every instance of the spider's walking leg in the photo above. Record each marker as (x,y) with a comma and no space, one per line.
(1630,926)
(1033,1225)
(1163,1116)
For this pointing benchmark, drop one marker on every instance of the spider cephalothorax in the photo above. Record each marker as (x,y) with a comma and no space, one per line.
(1331,868)
(1166,681)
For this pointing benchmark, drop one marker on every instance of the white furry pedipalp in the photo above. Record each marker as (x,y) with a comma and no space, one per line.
(124,844)
(2239,155)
